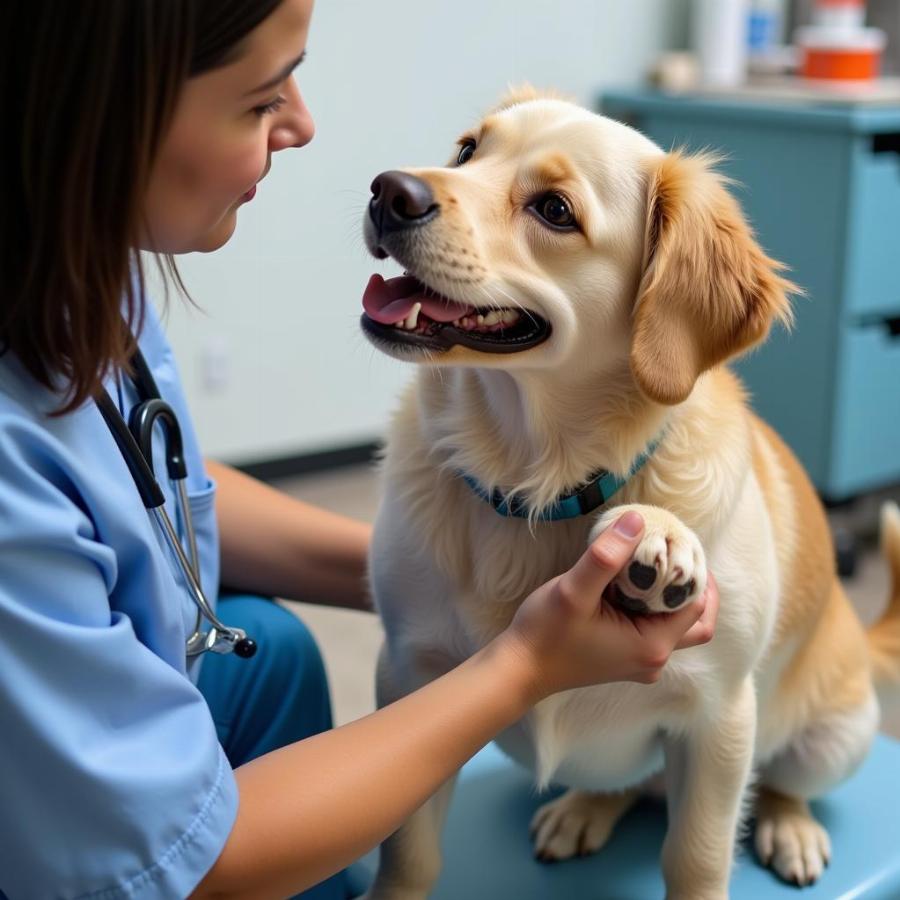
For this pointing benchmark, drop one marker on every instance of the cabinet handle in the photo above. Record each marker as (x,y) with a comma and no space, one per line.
(886,143)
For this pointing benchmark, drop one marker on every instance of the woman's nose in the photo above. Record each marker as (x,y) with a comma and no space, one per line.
(293,126)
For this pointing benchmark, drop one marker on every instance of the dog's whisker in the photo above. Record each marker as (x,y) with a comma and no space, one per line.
(516,304)
(491,301)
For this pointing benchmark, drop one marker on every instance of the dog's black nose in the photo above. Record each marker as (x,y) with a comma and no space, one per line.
(400,200)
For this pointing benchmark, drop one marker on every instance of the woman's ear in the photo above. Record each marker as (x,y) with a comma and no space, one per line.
(708,291)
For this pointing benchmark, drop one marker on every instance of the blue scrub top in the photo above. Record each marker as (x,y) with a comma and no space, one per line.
(112,779)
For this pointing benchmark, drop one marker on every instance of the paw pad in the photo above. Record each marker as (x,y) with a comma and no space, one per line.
(675,594)
(642,576)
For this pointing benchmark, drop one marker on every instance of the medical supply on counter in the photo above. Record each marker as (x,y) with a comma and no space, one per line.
(837,46)
(719,37)
(846,14)
(765,27)
(840,54)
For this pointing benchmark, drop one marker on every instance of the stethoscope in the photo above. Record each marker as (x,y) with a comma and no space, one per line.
(135,441)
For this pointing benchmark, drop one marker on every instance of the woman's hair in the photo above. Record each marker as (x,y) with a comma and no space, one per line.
(89,89)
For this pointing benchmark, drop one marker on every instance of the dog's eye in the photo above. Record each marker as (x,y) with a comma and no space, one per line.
(555,210)
(465,152)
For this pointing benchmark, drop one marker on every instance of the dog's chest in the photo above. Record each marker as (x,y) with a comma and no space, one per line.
(600,739)
(508,560)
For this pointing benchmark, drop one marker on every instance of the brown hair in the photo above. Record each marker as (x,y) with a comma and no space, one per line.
(89,89)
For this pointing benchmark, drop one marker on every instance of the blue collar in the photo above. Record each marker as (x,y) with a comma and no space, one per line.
(594,493)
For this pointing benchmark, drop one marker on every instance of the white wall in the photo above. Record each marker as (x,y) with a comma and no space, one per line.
(390,83)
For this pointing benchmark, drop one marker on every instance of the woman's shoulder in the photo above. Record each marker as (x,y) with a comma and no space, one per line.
(44,454)
(34,468)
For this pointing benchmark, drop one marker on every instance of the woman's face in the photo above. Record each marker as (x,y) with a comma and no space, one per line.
(227,124)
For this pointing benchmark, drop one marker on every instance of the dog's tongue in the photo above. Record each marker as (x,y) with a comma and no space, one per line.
(392,301)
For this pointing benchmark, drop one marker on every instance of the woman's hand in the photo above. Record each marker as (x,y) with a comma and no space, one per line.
(569,637)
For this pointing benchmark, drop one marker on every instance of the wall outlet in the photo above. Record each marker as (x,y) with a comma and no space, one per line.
(215,364)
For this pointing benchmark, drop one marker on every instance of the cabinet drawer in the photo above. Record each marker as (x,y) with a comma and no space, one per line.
(866,424)
(873,228)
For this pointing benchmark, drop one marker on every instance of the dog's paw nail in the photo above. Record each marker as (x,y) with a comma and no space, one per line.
(641,576)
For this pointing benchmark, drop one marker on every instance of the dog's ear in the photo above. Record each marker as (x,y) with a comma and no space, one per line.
(708,290)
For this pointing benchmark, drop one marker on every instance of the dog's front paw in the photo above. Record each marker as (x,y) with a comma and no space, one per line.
(668,568)
(576,824)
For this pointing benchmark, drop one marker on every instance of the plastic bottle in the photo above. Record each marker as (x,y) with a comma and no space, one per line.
(765,28)
(719,29)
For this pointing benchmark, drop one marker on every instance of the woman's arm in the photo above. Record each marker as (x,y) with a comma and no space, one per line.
(309,809)
(275,545)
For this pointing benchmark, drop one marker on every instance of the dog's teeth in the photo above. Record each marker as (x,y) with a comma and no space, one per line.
(480,320)
(510,316)
(413,317)
(492,318)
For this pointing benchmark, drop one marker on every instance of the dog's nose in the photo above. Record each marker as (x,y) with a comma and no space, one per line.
(400,200)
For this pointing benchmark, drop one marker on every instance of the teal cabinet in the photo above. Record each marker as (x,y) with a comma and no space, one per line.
(821,186)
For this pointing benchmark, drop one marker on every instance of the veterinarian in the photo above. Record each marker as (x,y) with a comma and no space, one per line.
(133,763)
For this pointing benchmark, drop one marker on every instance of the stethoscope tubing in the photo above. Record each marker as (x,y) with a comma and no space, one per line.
(194,560)
(137,452)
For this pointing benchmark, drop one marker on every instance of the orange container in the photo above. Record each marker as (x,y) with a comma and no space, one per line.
(840,54)
(843,65)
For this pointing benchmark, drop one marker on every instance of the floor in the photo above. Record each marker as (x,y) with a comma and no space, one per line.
(350,640)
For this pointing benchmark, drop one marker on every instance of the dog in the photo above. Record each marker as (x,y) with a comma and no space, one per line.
(572,294)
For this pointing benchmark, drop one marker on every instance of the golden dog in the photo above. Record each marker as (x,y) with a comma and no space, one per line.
(572,292)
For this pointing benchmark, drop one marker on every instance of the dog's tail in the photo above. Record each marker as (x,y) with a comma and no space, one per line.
(884,635)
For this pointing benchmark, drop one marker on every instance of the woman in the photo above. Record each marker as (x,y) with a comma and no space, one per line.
(127,770)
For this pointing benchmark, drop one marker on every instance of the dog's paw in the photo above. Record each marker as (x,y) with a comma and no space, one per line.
(576,824)
(668,568)
(790,841)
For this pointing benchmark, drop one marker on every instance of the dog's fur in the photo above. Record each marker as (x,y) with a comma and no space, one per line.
(661,284)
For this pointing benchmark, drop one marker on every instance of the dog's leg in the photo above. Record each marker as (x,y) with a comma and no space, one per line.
(410,860)
(707,772)
(577,823)
(787,836)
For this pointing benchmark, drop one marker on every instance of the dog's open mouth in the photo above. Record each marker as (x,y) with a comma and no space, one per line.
(403,310)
